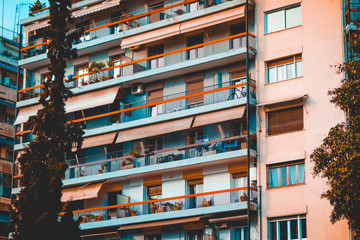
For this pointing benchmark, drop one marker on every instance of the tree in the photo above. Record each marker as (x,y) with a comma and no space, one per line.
(338,157)
(35,213)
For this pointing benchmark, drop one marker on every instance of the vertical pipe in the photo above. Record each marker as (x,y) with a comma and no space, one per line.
(247,115)
(2,18)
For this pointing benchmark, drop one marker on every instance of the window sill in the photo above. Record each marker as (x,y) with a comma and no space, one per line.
(278,134)
(265,34)
(286,186)
(290,79)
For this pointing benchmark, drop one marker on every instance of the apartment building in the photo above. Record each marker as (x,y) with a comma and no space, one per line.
(171,133)
(9,52)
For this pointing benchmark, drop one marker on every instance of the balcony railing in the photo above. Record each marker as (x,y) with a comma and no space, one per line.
(127,21)
(167,104)
(170,58)
(7,129)
(170,204)
(127,159)
(121,160)
(352,12)
(10,35)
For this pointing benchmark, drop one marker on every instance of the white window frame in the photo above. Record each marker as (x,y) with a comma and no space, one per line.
(295,69)
(277,221)
(284,18)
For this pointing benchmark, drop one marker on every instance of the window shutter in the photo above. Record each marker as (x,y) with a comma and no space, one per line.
(155,96)
(237,168)
(238,75)
(280,62)
(287,120)
(193,175)
(154,190)
(195,182)
(152,181)
(195,87)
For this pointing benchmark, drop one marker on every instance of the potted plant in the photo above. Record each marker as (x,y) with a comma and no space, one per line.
(179,11)
(153,207)
(243,198)
(127,163)
(95,67)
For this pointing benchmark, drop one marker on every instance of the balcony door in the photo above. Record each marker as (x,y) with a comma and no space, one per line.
(156,62)
(195,186)
(238,41)
(195,52)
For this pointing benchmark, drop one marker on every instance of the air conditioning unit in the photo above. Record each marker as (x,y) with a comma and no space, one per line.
(221,225)
(137,89)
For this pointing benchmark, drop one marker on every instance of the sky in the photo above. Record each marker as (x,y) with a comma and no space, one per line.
(8,11)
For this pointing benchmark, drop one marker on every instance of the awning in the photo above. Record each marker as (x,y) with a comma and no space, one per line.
(98,140)
(91,100)
(25,113)
(81,192)
(219,116)
(37,25)
(302,97)
(150,36)
(229,219)
(96,8)
(212,19)
(192,25)
(154,130)
(76,103)
(159,223)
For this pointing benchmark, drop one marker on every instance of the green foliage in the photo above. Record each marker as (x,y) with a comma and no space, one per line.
(35,214)
(37,5)
(338,158)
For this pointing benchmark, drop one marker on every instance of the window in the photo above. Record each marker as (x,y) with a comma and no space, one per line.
(5,185)
(117,61)
(286,174)
(154,192)
(153,237)
(156,62)
(195,186)
(86,25)
(282,19)
(288,229)
(195,52)
(157,16)
(194,136)
(285,120)
(194,235)
(285,68)
(240,233)
(192,88)
(82,70)
(239,41)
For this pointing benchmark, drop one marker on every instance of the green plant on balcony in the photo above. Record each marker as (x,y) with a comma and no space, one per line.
(6,53)
(37,5)
(179,11)
(95,67)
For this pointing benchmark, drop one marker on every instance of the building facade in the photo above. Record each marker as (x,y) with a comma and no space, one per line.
(171,133)
(9,52)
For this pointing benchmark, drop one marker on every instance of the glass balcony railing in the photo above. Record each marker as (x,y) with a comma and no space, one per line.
(127,21)
(121,160)
(127,68)
(171,204)
(130,158)
(236,89)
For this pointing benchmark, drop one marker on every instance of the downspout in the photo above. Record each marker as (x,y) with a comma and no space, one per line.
(247,115)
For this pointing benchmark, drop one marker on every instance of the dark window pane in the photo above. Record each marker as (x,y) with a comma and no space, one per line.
(283,230)
(294,229)
(273,232)
(303,228)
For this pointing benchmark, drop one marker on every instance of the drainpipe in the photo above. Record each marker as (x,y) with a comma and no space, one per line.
(247,115)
